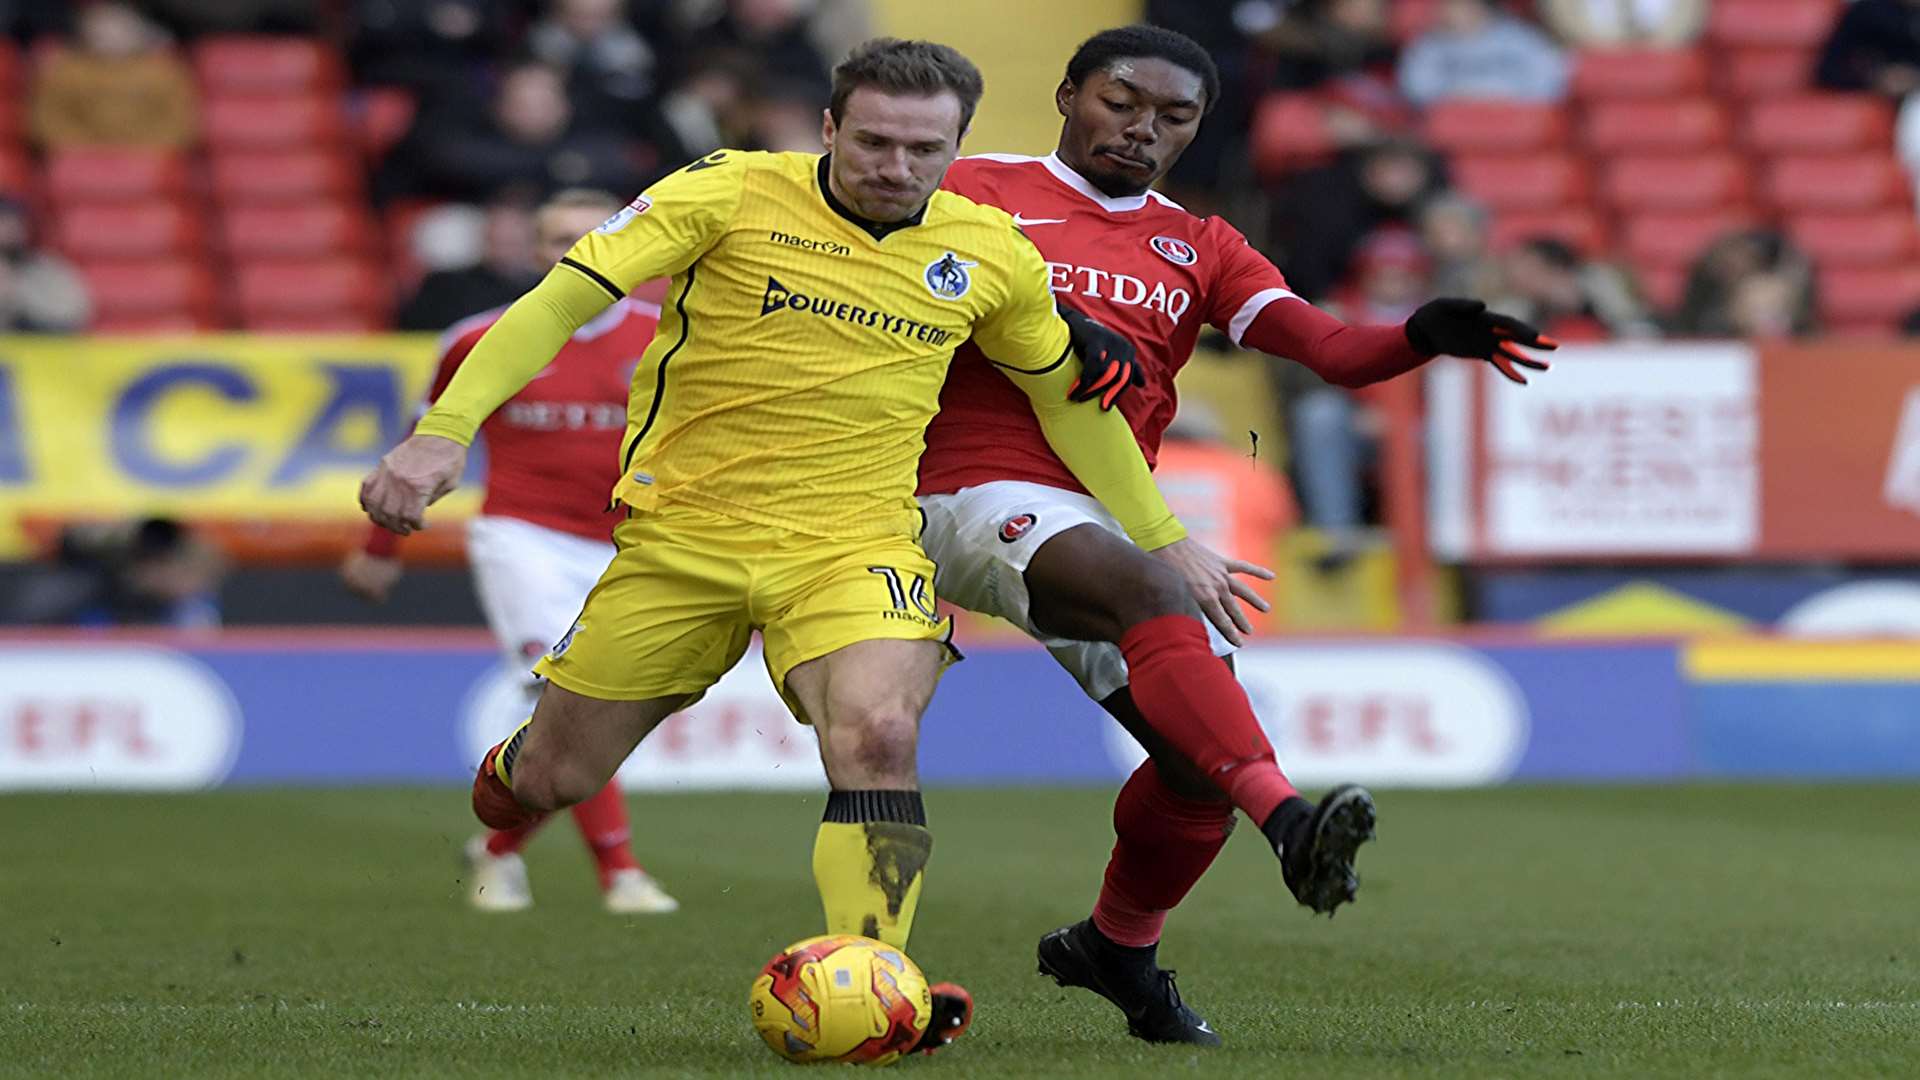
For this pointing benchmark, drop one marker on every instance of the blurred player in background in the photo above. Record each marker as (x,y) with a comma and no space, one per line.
(1014,534)
(774,430)
(541,538)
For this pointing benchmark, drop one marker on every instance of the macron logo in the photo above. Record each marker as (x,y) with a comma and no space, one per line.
(1023,222)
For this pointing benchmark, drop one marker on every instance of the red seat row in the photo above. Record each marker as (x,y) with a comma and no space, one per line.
(305,295)
(1537,181)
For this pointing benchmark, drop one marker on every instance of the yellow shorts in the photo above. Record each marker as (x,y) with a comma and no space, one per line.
(686,589)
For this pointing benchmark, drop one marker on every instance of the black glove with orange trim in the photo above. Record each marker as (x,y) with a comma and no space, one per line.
(1108,364)
(1465,328)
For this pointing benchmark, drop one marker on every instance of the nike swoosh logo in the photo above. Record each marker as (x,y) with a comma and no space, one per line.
(1018,220)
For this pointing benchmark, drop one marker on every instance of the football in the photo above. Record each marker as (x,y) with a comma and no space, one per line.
(841,998)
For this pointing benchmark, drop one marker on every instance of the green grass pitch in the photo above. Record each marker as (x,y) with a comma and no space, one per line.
(1686,932)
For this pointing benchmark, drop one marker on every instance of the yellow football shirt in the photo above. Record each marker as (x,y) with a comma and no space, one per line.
(802,351)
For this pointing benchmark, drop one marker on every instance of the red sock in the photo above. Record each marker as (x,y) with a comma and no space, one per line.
(510,841)
(1164,843)
(1195,703)
(603,825)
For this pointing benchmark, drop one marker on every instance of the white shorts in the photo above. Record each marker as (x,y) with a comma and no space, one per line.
(982,538)
(532,582)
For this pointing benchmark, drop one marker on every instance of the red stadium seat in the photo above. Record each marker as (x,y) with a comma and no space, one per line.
(260,176)
(1662,286)
(1677,126)
(259,64)
(147,324)
(12,120)
(9,66)
(295,231)
(128,290)
(1818,123)
(1606,74)
(1882,238)
(1522,181)
(384,115)
(1495,126)
(103,173)
(1289,132)
(285,121)
(1674,182)
(1576,226)
(1869,329)
(1677,239)
(1759,73)
(284,292)
(1856,295)
(142,229)
(315,322)
(1784,23)
(1408,19)
(16,173)
(1835,182)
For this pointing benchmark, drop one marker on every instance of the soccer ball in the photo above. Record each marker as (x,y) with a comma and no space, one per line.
(841,998)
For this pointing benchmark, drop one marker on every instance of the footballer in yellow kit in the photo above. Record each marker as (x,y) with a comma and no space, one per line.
(776,421)
(768,469)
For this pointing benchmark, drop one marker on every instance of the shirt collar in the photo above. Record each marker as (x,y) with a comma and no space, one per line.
(876,229)
(1065,174)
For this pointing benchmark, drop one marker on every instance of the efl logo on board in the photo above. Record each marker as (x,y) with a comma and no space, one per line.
(114,719)
(1414,715)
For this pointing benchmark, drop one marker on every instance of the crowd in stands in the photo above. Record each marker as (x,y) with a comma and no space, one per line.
(1608,169)
(316,165)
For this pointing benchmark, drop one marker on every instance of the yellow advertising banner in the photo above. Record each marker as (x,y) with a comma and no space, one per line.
(206,427)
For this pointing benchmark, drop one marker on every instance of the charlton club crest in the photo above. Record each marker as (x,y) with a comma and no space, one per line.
(1017,526)
(1176,251)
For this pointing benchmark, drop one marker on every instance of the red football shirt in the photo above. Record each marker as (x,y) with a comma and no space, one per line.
(1140,264)
(553,449)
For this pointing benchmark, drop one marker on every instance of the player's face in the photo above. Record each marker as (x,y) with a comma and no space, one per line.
(1128,124)
(890,151)
(561,226)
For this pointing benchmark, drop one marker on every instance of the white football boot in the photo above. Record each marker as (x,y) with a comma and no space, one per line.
(632,892)
(496,882)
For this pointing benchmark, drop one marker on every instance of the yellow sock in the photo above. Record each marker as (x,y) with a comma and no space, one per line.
(503,761)
(868,860)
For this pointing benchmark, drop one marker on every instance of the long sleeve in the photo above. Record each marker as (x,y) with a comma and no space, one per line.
(1341,354)
(513,351)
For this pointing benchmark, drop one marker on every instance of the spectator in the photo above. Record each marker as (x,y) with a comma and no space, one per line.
(1722,301)
(786,118)
(1875,46)
(528,146)
(120,85)
(149,572)
(611,67)
(39,292)
(509,265)
(1569,298)
(436,48)
(1321,216)
(1454,229)
(712,106)
(1611,24)
(1323,40)
(1332,432)
(772,35)
(1478,51)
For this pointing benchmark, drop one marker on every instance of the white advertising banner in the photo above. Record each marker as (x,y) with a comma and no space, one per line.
(1647,449)
(113,718)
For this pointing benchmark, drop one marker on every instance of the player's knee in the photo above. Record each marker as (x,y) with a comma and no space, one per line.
(1185,779)
(878,743)
(542,783)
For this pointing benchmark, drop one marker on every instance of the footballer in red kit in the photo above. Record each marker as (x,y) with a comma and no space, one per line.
(1014,536)
(543,536)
